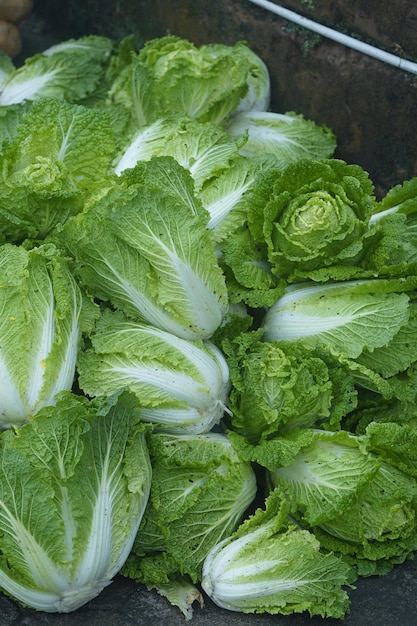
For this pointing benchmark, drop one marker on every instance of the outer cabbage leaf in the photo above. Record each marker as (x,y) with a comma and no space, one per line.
(40,330)
(183,594)
(278,387)
(271,566)
(199,495)
(147,141)
(395,443)
(166,175)
(227,195)
(249,276)
(180,385)
(357,504)
(172,75)
(60,154)
(395,251)
(203,149)
(6,67)
(272,453)
(317,217)
(326,475)
(70,70)
(244,253)
(132,88)
(399,354)
(288,136)
(10,117)
(150,256)
(380,398)
(73,488)
(346,317)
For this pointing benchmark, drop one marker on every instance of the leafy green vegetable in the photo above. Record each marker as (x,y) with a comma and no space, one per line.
(166,175)
(346,316)
(40,330)
(11,116)
(58,155)
(316,217)
(269,565)
(180,385)
(149,255)
(289,137)
(183,594)
(6,67)
(399,354)
(203,149)
(184,269)
(73,488)
(277,387)
(358,504)
(227,195)
(70,70)
(171,75)
(200,492)
(147,142)
(395,216)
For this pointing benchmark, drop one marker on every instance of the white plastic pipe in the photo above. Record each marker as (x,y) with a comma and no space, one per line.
(330,33)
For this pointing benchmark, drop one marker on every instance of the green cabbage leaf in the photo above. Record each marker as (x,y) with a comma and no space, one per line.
(70,70)
(40,330)
(170,75)
(180,385)
(347,317)
(200,492)
(270,565)
(74,484)
(151,256)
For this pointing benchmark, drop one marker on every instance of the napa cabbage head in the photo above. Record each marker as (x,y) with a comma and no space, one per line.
(40,330)
(347,317)
(201,490)
(73,488)
(150,254)
(357,502)
(70,70)
(271,565)
(316,216)
(277,387)
(170,75)
(55,155)
(181,385)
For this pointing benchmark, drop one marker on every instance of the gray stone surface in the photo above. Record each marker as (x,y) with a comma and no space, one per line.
(387,601)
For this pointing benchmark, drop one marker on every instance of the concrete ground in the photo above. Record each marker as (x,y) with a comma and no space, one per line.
(387,601)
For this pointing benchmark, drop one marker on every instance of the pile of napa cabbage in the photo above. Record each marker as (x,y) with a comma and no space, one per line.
(208,339)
